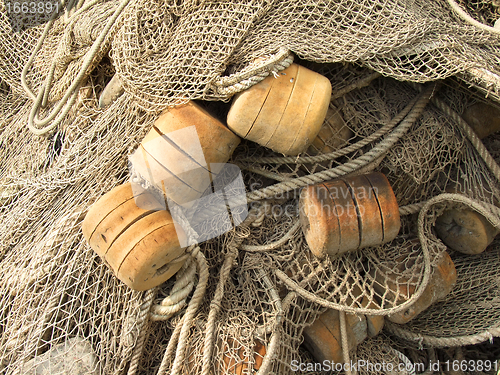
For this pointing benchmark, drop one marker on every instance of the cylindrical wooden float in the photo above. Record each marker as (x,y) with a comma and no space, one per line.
(135,236)
(285,113)
(466,231)
(323,338)
(393,285)
(349,214)
(184,151)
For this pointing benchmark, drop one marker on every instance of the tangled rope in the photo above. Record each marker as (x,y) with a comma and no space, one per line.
(492,215)
(292,285)
(442,342)
(355,164)
(178,341)
(253,74)
(142,322)
(176,300)
(63,107)
(467,18)
(274,341)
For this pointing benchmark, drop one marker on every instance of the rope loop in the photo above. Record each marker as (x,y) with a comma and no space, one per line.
(252,74)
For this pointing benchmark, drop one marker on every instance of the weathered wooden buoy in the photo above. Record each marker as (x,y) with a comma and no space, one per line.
(285,113)
(484,119)
(344,215)
(323,338)
(184,151)
(392,285)
(135,236)
(466,231)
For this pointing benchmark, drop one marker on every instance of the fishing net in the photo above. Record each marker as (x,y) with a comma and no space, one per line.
(242,301)
(475,295)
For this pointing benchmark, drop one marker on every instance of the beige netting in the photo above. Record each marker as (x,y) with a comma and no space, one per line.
(243,299)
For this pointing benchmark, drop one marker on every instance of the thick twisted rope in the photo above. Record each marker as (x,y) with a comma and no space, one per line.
(492,215)
(63,107)
(274,341)
(335,154)
(353,165)
(191,310)
(411,209)
(345,343)
(442,342)
(253,74)
(169,352)
(176,300)
(142,322)
(471,21)
(184,284)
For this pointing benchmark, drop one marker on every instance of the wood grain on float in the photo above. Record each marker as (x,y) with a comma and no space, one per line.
(348,214)
(184,151)
(284,113)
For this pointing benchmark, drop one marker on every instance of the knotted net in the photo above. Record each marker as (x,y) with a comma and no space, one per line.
(256,287)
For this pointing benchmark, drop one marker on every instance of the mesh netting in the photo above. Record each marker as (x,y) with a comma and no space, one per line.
(470,310)
(257,287)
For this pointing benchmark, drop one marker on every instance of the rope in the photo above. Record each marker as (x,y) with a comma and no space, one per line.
(336,154)
(411,209)
(274,341)
(345,343)
(63,107)
(177,298)
(192,308)
(472,137)
(442,342)
(273,245)
(292,285)
(142,322)
(410,369)
(363,82)
(169,352)
(252,75)
(471,21)
(494,219)
(215,304)
(353,165)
